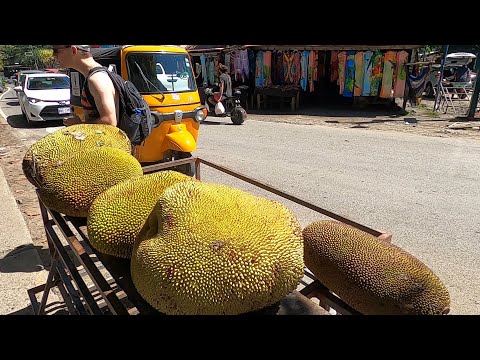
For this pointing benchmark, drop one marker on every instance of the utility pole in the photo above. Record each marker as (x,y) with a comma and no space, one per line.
(474,99)
(440,79)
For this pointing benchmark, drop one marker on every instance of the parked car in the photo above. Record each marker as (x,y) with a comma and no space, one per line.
(44,97)
(452,61)
(21,76)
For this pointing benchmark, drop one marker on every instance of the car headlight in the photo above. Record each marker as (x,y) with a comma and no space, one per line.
(33,100)
(199,115)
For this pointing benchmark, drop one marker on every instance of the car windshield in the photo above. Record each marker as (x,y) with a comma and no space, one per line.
(154,73)
(48,83)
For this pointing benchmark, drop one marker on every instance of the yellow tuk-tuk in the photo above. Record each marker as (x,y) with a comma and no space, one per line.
(164,76)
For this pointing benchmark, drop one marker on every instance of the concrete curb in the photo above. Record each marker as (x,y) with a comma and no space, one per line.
(20,264)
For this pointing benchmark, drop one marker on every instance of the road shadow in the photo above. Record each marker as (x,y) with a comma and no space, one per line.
(20,122)
(53,308)
(391,110)
(21,260)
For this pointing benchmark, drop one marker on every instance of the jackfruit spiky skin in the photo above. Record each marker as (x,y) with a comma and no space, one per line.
(372,276)
(61,144)
(117,215)
(212,249)
(71,186)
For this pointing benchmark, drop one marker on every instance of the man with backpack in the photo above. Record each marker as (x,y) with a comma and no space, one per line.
(99,97)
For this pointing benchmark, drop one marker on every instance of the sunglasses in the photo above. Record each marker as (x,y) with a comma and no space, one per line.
(56,49)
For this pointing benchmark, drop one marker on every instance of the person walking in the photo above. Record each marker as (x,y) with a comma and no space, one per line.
(99,98)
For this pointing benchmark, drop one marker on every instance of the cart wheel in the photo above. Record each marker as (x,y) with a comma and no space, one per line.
(238,116)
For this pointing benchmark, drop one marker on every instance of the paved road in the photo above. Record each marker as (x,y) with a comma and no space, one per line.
(424,190)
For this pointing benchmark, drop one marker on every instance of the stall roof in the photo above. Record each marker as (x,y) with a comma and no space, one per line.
(324,47)
(204,48)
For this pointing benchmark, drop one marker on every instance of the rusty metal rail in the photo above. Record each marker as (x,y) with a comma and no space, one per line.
(119,296)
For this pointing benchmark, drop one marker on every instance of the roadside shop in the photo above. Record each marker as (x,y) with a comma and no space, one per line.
(302,75)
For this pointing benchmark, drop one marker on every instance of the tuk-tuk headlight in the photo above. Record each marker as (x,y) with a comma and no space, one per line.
(199,115)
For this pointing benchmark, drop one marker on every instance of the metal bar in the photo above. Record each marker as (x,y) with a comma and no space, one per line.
(74,298)
(165,165)
(103,287)
(82,287)
(316,289)
(197,169)
(49,283)
(293,198)
(33,298)
(67,299)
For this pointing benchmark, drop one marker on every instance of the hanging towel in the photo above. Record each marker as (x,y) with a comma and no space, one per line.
(297,68)
(288,67)
(342,62)
(334,66)
(267,67)
(251,63)
(389,64)
(349,74)
(259,70)
(359,69)
(312,69)
(245,64)
(376,78)
(400,74)
(367,73)
(204,70)
(304,70)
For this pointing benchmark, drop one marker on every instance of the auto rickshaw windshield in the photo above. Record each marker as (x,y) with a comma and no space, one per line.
(154,73)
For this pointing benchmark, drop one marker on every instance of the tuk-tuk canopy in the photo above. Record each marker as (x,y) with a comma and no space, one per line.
(107,54)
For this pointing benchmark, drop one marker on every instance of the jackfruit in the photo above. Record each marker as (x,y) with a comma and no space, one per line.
(118,214)
(71,186)
(62,143)
(371,275)
(213,249)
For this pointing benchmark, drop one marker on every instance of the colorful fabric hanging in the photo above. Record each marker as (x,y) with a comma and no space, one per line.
(204,70)
(251,63)
(259,70)
(359,70)
(297,70)
(389,64)
(267,67)
(342,60)
(349,74)
(288,67)
(304,70)
(244,64)
(312,69)
(367,73)
(334,66)
(400,74)
(376,78)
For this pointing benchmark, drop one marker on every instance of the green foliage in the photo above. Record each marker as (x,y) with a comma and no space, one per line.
(34,56)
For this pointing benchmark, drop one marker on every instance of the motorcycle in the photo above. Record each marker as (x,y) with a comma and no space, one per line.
(232,106)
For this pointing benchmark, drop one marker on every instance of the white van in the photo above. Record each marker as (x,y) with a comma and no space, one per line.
(172,82)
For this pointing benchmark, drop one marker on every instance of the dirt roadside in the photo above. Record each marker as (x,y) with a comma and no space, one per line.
(417,121)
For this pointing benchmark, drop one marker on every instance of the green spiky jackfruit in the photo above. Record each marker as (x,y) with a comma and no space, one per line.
(118,214)
(62,143)
(370,275)
(213,249)
(71,186)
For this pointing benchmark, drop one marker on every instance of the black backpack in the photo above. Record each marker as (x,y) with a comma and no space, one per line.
(136,118)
